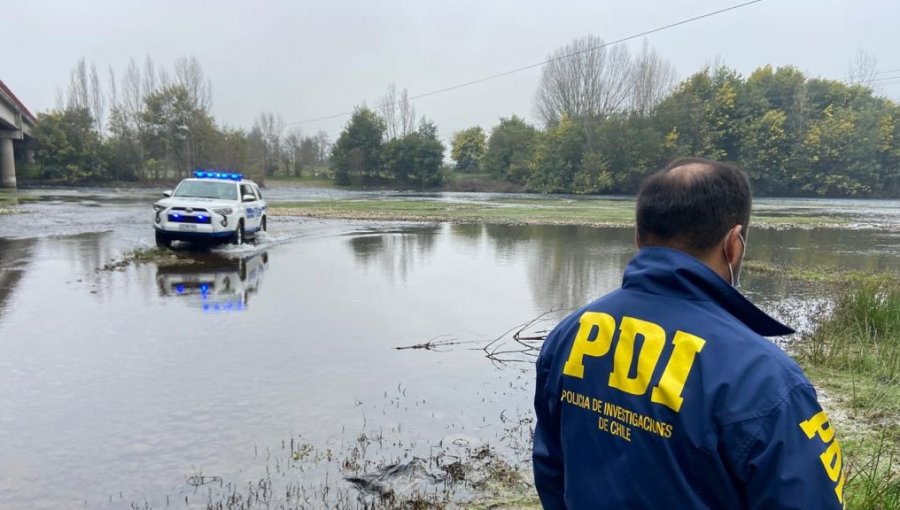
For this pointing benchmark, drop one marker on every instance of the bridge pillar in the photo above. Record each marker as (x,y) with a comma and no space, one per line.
(7,164)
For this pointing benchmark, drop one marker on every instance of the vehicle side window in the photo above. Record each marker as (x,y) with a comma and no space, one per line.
(247,190)
(258,191)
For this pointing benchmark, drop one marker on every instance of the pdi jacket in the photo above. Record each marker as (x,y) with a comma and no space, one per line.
(664,395)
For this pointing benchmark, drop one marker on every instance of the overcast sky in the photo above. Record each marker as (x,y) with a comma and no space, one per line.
(304,59)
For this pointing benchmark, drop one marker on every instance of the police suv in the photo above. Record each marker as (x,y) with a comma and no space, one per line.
(211,206)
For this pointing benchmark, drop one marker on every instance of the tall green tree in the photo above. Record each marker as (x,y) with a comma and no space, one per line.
(415,159)
(67,146)
(510,149)
(468,148)
(356,156)
(557,158)
(176,132)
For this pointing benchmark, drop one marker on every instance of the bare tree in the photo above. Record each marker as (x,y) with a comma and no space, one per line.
(112,88)
(270,127)
(388,106)
(324,146)
(292,143)
(97,101)
(78,96)
(163,79)
(133,90)
(407,114)
(189,74)
(149,84)
(584,79)
(652,79)
(863,69)
(60,99)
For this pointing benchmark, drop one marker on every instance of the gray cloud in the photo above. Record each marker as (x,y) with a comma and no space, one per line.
(307,59)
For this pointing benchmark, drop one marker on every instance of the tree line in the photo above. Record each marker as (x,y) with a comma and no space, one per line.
(607,119)
(611,118)
(153,124)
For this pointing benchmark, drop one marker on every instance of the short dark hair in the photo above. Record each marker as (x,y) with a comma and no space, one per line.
(693,209)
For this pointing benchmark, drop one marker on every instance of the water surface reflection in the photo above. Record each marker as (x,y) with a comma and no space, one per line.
(112,383)
(212,282)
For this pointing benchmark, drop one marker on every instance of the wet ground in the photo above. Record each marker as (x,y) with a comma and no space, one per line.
(177,380)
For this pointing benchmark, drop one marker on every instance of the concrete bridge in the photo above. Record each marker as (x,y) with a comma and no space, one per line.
(16,123)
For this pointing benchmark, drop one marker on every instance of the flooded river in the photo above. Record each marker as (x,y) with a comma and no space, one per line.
(162,385)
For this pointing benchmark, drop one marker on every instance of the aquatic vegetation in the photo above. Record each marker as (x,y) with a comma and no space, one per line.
(360,474)
(516,211)
(821,275)
(854,354)
(160,257)
(8,201)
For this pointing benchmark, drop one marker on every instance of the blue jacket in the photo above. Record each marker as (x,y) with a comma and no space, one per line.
(664,395)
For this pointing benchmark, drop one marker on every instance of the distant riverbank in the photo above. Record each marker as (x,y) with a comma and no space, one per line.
(546,211)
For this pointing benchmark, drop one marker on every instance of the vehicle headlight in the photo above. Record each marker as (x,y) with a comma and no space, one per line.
(225,211)
(159,208)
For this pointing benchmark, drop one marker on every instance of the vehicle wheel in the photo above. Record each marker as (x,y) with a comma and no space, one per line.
(238,236)
(262,224)
(162,240)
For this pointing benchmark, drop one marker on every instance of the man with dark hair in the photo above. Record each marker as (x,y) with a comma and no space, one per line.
(664,394)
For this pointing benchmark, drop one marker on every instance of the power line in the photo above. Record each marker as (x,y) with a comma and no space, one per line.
(545,62)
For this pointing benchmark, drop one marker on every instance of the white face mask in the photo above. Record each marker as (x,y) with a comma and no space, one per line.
(736,282)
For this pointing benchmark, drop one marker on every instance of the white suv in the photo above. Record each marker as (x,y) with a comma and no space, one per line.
(211,206)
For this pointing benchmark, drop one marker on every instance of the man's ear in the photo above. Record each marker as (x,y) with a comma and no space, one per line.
(734,246)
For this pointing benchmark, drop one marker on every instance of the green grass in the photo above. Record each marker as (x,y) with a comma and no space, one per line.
(8,198)
(548,211)
(545,210)
(821,275)
(854,355)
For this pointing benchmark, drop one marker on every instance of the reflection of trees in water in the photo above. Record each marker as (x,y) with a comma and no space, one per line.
(823,248)
(397,251)
(567,265)
(469,233)
(86,253)
(14,259)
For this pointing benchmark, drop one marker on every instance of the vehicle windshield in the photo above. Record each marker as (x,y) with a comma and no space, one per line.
(207,189)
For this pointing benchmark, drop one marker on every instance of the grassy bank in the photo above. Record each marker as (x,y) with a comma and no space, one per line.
(8,200)
(539,211)
(853,356)
(545,211)
(818,275)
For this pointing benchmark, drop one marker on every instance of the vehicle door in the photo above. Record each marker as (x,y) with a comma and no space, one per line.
(252,210)
(262,201)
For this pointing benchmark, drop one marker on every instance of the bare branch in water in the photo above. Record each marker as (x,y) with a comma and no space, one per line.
(519,344)
(435,343)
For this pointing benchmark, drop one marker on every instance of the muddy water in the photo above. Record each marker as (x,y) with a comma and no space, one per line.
(121,386)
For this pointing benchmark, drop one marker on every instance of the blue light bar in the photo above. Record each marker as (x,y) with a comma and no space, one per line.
(207,174)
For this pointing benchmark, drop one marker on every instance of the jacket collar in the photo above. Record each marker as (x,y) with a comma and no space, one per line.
(658,270)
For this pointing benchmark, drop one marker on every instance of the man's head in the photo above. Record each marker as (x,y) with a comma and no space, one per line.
(698,206)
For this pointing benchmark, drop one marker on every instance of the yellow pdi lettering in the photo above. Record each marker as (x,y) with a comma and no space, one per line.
(654,341)
(594,338)
(671,384)
(818,424)
(831,458)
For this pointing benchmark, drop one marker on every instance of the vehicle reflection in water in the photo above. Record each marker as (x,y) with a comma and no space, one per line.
(213,283)
(14,259)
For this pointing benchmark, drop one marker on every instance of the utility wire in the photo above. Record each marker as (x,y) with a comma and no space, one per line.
(548,61)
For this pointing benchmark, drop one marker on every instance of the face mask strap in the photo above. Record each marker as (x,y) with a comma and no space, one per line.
(736,282)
